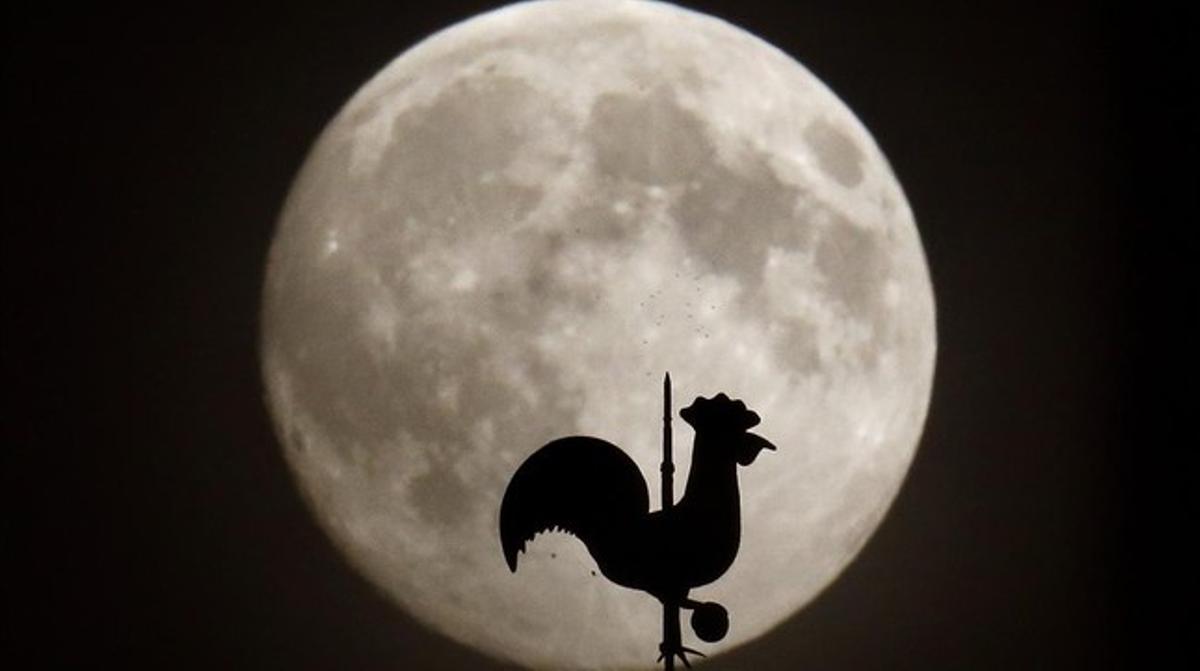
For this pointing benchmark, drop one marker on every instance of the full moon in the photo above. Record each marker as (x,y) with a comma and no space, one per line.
(511,232)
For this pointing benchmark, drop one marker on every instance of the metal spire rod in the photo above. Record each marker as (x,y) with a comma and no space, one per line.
(668,466)
(671,634)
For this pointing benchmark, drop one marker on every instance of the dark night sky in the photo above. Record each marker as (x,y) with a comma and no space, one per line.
(154,524)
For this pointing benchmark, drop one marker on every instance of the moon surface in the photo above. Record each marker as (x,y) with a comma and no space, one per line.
(511,232)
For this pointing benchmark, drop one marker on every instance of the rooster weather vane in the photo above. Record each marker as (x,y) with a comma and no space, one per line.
(591,489)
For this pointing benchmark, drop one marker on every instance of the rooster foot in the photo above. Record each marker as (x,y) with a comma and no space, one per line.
(666,650)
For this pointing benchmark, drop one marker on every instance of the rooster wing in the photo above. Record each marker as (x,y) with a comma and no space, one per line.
(582,485)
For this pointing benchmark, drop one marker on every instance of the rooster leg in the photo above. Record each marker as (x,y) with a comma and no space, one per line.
(676,651)
(672,645)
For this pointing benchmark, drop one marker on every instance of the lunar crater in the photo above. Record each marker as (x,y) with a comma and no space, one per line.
(837,155)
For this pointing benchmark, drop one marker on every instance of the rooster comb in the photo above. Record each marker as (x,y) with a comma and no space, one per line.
(721,412)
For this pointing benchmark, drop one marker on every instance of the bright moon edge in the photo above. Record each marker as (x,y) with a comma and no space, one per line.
(423,332)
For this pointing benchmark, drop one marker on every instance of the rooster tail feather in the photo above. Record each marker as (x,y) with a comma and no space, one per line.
(580,485)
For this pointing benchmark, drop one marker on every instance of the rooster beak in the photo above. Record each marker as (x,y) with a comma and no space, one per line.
(752,444)
(758,441)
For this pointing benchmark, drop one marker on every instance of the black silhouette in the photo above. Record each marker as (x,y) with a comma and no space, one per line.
(590,488)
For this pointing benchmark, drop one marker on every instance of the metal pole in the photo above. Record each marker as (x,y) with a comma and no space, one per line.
(668,466)
(671,635)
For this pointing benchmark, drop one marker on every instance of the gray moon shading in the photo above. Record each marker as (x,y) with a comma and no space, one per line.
(511,232)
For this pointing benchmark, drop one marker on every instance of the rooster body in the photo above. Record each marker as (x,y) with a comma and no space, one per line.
(590,488)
